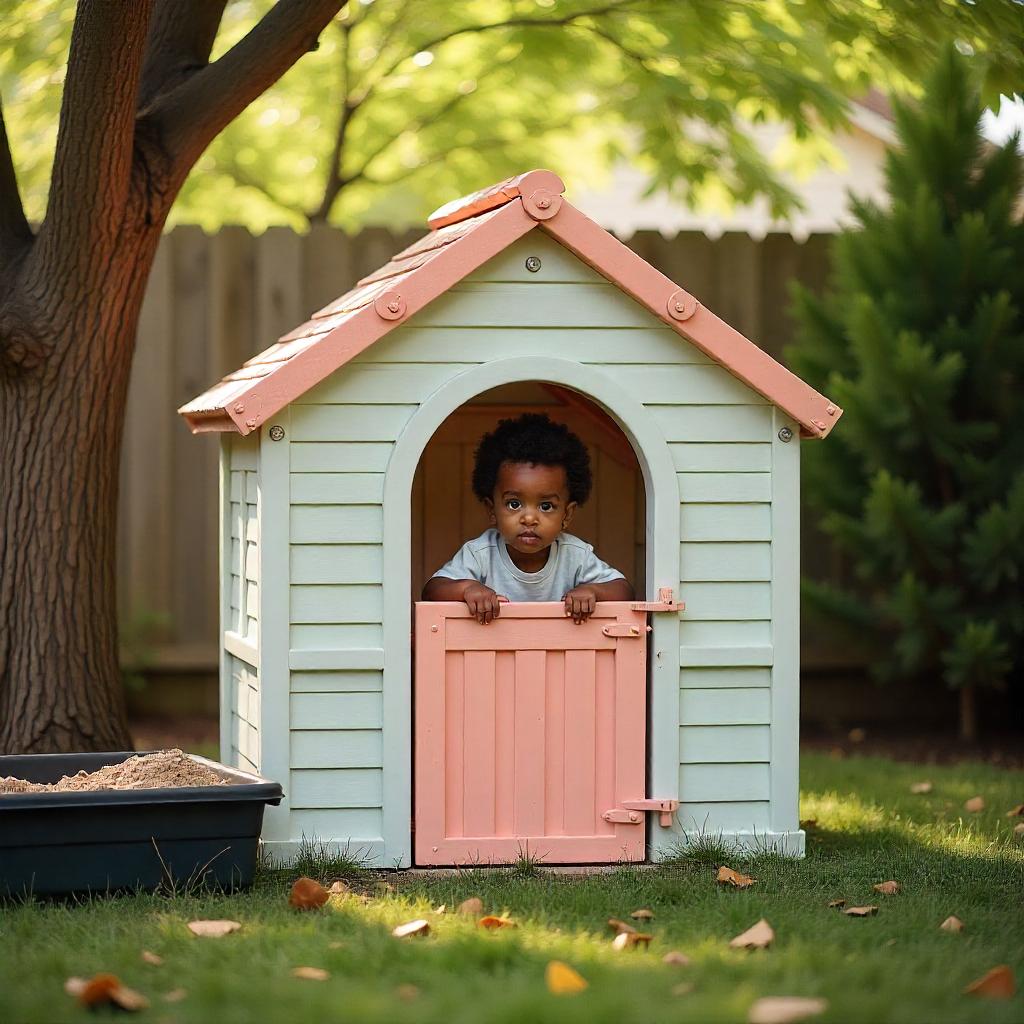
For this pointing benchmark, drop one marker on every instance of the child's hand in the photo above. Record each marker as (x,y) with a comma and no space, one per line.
(482,602)
(580,603)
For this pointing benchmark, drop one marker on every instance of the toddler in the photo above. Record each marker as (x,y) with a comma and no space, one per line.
(531,474)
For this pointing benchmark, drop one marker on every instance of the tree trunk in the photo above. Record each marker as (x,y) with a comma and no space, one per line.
(61,422)
(968,714)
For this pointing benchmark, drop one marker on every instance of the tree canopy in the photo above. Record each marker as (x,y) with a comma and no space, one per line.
(408,102)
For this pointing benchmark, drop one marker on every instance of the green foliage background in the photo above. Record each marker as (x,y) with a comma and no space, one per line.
(439,98)
(921,341)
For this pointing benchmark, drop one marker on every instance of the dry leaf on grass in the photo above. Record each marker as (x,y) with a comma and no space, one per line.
(105,990)
(785,1009)
(213,929)
(759,936)
(684,988)
(676,959)
(643,914)
(493,922)
(1018,830)
(975,804)
(338,888)
(410,928)
(836,904)
(1016,812)
(889,888)
(952,924)
(860,911)
(920,788)
(308,894)
(153,959)
(310,973)
(562,980)
(473,907)
(175,995)
(630,940)
(442,909)
(407,993)
(995,984)
(619,927)
(734,878)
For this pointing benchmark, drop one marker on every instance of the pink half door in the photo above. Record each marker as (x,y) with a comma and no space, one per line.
(528,731)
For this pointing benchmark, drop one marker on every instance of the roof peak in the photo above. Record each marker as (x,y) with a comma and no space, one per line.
(537,188)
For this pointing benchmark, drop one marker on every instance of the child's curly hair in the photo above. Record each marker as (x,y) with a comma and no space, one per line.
(533,438)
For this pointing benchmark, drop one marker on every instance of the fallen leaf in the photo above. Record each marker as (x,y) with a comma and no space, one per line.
(857,735)
(734,878)
(836,904)
(759,936)
(175,995)
(1016,812)
(407,993)
(975,804)
(418,927)
(1018,830)
(684,988)
(105,989)
(887,888)
(618,926)
(152,958)
(676,959)
(952,924)
(920,788)
(308,894)
(627,940)
(860,911)
(473,907)
(493,922)
(784,1009)
(643,914)
(996,984)
(339,888)
(310,973)
(441,909)
(562,980)
(213,929)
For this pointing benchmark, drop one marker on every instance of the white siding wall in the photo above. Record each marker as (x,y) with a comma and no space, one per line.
(342,434)
(240,693)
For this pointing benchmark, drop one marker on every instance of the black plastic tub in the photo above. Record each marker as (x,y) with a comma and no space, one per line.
(134,839)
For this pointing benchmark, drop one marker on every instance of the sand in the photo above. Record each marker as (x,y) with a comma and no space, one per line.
(165,769)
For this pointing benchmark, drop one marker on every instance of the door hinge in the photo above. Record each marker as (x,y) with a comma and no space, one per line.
(631,812)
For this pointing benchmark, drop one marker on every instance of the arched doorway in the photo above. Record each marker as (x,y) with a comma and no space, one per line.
(661,564)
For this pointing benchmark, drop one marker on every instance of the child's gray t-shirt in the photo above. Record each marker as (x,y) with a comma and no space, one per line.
(571,562)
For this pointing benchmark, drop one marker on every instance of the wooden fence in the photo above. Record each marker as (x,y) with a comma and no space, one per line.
(215,300)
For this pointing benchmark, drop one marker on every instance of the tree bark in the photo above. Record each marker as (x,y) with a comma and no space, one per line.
(968,714)
(61,420)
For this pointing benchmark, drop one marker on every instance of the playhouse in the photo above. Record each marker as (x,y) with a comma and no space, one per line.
(407,731)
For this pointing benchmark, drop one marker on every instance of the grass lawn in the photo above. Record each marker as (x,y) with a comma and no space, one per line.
(895,966)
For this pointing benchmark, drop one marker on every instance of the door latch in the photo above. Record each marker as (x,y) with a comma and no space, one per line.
(623,629)
(632,811)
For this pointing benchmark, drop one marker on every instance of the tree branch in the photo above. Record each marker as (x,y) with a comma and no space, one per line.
(15,232)
(92,163)
(181,36)
(333,183)
(430,44)
(191,115)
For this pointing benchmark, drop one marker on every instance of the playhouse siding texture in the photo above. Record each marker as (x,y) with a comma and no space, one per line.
(339,437)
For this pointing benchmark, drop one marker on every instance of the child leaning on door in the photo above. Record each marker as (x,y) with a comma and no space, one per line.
(531,474)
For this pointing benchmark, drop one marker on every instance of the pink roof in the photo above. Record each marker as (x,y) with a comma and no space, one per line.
(466,234)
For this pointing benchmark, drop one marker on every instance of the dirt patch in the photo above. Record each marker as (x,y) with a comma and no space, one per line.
(165,769)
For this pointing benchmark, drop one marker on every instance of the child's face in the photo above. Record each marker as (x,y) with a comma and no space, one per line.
(530,508)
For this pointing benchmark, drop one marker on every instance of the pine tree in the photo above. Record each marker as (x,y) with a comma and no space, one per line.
(921,340)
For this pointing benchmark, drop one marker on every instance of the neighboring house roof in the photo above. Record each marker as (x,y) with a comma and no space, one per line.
(466,234)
